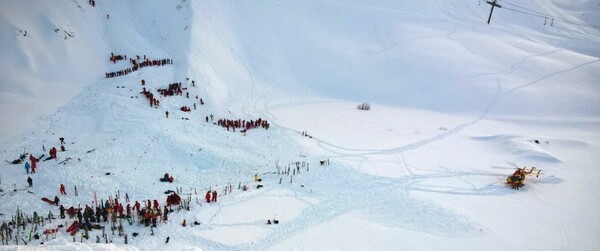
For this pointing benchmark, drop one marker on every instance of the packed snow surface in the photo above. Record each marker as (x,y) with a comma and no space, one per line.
(456,106)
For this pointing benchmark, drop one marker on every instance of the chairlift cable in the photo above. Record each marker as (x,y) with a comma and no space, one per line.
(535,13)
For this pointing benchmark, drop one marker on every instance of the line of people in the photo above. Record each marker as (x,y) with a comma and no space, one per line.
(150,97)
(154,62)
(138,65)
(246,125)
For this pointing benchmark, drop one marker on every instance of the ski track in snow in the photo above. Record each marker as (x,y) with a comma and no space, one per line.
(490,189)
(343,190)
(548,76)
(516,65)
(337,149)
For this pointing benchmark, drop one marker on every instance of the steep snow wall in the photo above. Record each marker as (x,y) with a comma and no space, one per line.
(432,55)
(52,50)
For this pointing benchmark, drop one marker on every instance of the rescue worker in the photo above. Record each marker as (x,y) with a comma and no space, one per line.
(207,197)
(137,206)
(128,210)
(214,196)
(62,189)
(33,162)
(62,211)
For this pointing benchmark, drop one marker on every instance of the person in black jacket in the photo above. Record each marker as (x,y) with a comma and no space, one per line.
(62,212)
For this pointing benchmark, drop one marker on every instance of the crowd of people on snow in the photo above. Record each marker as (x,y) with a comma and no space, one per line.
(147,212)
(114,58)
(87,218)
(150,97)
(31,165)
(245,125)
(172,90)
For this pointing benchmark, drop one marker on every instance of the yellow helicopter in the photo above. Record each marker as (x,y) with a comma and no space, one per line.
(517,179)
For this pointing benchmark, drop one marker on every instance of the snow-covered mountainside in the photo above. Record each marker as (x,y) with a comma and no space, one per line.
(456,105)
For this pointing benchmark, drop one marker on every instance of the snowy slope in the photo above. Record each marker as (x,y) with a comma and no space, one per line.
(457,105)
(43,66)
(441,57)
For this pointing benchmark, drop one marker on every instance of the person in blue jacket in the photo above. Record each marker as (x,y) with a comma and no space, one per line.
(27,167)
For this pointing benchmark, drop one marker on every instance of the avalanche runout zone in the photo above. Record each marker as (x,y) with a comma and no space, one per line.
(342,191)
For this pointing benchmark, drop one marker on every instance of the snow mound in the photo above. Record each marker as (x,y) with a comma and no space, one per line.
(521,147)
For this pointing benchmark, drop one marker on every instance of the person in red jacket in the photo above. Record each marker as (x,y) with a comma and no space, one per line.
(53,152)
(115,208)
(121,210)
(33,163)
(214,196)
(156,204)
(137,206)
(62,189)
(207,197)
